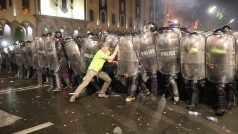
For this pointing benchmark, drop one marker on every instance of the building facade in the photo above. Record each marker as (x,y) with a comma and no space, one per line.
(24,19)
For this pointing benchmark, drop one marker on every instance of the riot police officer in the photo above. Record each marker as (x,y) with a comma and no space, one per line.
(192,51)
(145,48)
(220,65)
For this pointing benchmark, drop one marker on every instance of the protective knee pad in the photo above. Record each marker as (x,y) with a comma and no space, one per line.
(221,89)
(174,86)
(194,87)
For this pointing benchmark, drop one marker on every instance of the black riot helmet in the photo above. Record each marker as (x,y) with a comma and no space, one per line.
(135,33)
(58,35)
(226,28)
(48,34)
(28,41)
(151,26)
(184,30)
(90,35)
(22,43)
(102,34)
(88,32)
(193,33)
(218,31)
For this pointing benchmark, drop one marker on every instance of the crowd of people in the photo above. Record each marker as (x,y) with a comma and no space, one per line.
(169,61)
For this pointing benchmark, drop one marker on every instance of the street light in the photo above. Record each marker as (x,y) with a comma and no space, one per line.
(4,43)
(231,21)
(211,9)
(175,21)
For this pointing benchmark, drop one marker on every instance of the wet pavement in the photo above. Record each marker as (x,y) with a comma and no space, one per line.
(26,108)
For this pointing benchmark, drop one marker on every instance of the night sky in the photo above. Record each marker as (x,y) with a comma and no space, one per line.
(198,9)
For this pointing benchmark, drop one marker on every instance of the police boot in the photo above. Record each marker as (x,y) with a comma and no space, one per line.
(21,73)
(51,82)
(231,101)
(8,70)
(118,78)
(194,102)
(58,83)
(231,95)
(174,87)
(34,75)
(67,81)
(17,74)
(39,78)
(221,102)
(221,106)
(28,74)
(153,94)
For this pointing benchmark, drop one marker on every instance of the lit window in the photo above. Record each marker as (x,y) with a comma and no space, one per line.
(26,6)
(1,31)
(113,19)
(76,32)
(29,33)
(7,30)
(91,15)
(122,20)
(130,22)
(3,5)
(103,17)
(61,30)
(20,33)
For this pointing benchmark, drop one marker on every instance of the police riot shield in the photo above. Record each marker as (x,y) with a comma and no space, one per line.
(19,61)
(90,46)
(192,52)
(1,58)
(34,54)
(112,39)
(236,50)
(29,53)
(11,49)
(41,53)
(52,59)
(24,56)
(128,62)
(145,50)
(167,48)
(220,58)
(75,58)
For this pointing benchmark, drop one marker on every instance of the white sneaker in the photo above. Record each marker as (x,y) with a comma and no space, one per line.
(130,99)
(103,95)
(72,99)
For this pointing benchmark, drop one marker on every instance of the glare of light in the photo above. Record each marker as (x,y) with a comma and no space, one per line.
(231,21)
(78,11)
(61,30)
(5,50)
(11,48)
(14,9)
(46,29)
(212,9)
(97,21)
(7,30)
(4,43)
(175,21)
(29,33)
(47,8)
(76,32)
